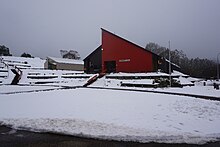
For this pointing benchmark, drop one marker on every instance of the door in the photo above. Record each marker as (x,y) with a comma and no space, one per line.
(110,66)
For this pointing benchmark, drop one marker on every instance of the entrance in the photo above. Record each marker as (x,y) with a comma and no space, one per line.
(110,66)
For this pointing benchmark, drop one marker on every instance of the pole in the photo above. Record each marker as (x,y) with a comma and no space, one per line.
(169,65)
(218,67)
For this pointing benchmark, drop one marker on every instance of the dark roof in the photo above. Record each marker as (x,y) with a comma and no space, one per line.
(130,42)
(98,48)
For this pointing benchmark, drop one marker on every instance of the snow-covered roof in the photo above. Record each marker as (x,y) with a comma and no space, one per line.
(184,81)
(145,81)
(177,73)
(139,74)
(67,61)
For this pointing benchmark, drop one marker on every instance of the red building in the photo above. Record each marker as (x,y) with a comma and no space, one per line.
(117,54)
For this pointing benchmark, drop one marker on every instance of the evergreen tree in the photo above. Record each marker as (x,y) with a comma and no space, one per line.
(26,55)
(196,67)
(4,51)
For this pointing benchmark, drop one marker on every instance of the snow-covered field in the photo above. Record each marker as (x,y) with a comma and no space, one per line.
(111,114)
(39,103)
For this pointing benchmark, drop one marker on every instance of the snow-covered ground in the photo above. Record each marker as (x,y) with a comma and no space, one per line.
(111,114)
(198,89)
(58,77)
(48,77)
(7,89)
(105,113)
(23,62)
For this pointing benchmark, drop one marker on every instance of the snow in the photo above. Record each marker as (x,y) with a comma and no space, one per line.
(199,89)
(22,61)
(144,81)
(67,61)
(105,113)
(177,73)
(5,89)
(57,77)
(114,114)
(137,74)
(184,81)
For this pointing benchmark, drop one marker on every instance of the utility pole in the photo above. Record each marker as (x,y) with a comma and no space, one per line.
(169,65)
(218,67)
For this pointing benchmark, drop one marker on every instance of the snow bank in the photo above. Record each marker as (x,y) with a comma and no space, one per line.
(99,130)
(111,114)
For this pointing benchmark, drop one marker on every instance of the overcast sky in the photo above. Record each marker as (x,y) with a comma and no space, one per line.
(43,27)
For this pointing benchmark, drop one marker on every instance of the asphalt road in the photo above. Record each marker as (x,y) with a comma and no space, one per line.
(17,138)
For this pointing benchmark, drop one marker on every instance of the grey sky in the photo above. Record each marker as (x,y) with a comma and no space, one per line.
(43,27)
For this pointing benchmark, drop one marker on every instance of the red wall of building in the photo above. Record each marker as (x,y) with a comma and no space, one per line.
(128,56)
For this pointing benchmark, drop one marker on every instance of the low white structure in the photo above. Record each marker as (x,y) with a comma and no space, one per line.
(63,64)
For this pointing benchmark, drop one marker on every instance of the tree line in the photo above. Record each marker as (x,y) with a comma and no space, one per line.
(5,51)
(195,67)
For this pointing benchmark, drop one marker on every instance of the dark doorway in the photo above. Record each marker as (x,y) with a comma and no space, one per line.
(110,66)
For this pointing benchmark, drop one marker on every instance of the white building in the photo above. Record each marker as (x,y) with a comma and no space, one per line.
(64,64)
